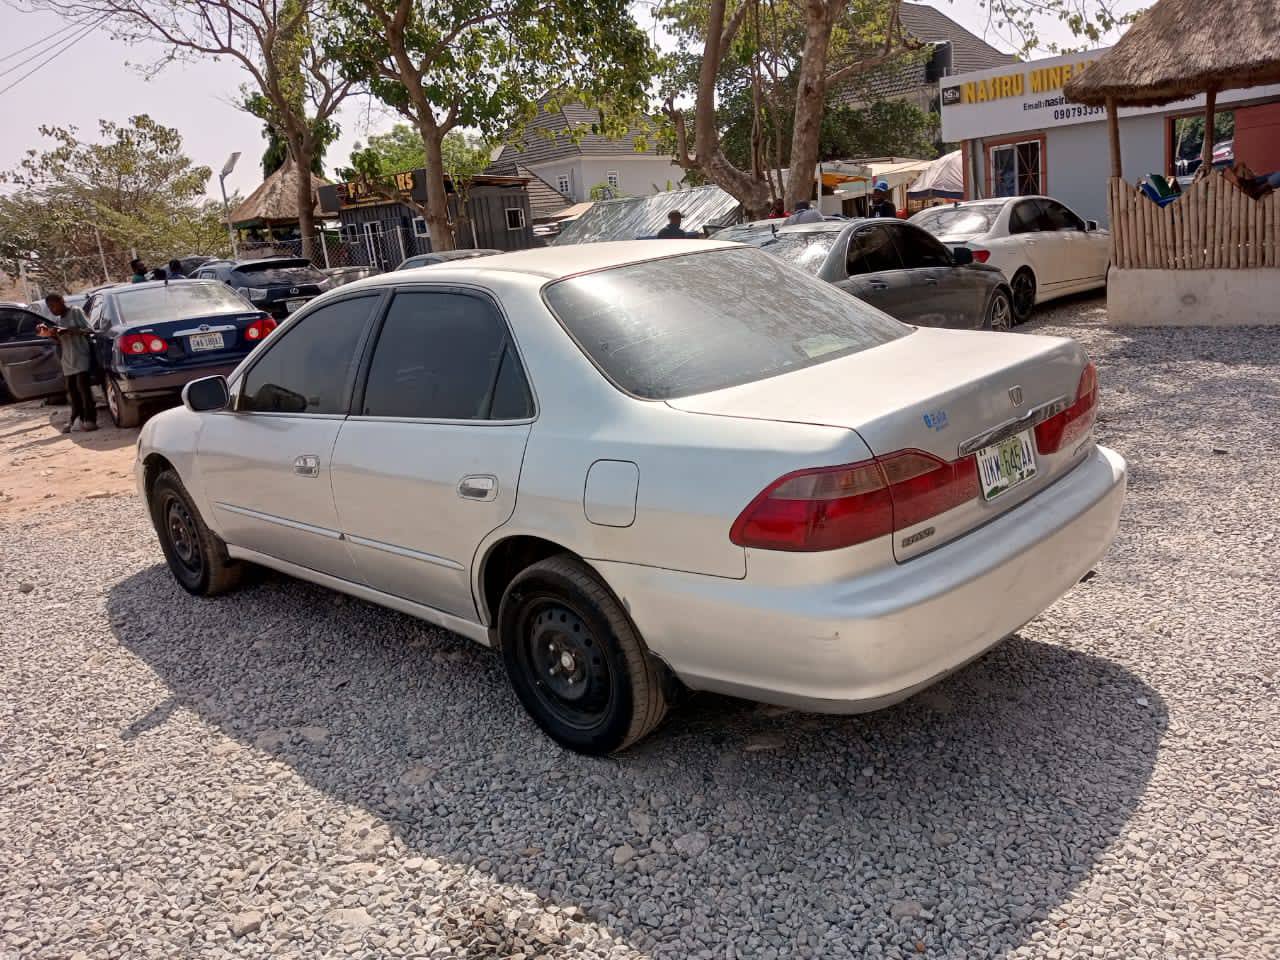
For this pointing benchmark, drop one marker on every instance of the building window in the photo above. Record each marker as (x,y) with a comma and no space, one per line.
(612,178)
(562,184)
(420,227)
(350,232)
(1016,169)
(515,218)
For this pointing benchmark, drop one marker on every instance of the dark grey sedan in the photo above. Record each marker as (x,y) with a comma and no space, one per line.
(897,267)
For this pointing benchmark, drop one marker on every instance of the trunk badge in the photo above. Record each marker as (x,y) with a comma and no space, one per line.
(1015,396)
(293,289)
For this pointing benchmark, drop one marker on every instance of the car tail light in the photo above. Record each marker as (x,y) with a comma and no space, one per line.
(832,507)
(982,256)
(1067,426)
(259,329)
(138,344)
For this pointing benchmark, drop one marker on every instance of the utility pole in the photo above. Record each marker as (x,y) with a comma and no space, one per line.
(106,274)
(226,207)
(22,275)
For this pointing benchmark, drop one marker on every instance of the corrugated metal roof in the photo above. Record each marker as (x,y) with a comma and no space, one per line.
(635,217)
(549,136)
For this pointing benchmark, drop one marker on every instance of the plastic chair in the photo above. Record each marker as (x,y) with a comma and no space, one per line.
(1151,194)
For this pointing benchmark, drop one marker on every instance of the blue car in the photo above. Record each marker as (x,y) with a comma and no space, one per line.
(151,339)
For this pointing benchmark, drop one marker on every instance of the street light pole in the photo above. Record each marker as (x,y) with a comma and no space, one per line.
(226,207)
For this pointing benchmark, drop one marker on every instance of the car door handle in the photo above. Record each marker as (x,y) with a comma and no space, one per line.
(878,284)
(307,465)
(478,487)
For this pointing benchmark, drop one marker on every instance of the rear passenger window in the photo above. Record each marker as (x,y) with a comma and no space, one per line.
(311,367)
(871,251)
(445,356)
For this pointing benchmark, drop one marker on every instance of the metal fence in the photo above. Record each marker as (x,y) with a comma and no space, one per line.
(381,249)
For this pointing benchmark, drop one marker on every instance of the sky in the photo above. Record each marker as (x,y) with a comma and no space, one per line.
(95,79)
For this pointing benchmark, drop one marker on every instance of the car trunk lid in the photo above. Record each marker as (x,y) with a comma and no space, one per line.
(947,393)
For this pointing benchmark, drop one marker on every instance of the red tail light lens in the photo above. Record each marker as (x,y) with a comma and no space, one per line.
(832,507)
(982,256)
(259,329)
(1068,426)
(138,344)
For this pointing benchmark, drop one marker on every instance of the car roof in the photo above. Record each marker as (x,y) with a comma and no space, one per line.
(152,284)
(256,260)
(553,263)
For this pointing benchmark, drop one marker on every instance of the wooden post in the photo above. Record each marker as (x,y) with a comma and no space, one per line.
(1206,150)
(1113,134)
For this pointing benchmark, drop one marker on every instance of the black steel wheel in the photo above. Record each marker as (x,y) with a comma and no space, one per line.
(197,558)
(1023,286)
(999,311)
(574,659)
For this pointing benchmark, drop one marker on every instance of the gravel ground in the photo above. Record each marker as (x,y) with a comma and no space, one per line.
(286,772)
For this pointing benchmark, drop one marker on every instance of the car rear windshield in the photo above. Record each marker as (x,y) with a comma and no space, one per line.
(177,301)
(279,271)
(808,251)
(949,220)
(704,321)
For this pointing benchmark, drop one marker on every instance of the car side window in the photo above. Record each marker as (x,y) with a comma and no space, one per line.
(17,325)
(311,367)
(917,248)
(445,356)
(1026,217)
(1059,217)
(871,251)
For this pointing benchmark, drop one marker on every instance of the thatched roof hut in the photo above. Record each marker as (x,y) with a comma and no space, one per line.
(275,202)
(1182,48)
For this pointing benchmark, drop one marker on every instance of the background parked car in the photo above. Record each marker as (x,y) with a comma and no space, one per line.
(1039,244)
(152,338)
(29,364)
(278,285)
(898,268)
(344,275)
(444,256)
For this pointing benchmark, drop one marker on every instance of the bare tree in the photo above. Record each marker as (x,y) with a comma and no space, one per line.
(297,89)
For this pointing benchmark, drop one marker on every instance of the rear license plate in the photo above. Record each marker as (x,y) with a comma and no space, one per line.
(206,341)
(292,305)
(1004,465)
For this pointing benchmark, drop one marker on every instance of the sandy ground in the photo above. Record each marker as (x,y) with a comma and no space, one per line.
(44,470)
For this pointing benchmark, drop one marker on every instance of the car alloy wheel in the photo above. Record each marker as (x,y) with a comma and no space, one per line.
(1000,313)
(1024,294)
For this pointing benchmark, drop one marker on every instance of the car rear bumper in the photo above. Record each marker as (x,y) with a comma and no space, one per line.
(147,386)
(873,640)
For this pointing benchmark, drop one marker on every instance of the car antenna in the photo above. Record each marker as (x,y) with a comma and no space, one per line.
(774,228)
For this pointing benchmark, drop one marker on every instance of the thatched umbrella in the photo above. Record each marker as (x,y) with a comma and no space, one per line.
(275,201)
(1181,48)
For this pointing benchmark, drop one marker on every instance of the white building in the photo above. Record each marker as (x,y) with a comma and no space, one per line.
(572,165)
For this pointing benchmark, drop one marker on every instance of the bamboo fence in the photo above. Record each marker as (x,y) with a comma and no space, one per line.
(1213,225)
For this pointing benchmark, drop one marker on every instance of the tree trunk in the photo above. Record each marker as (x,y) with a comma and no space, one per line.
(437,197)
(811,96)
(300,154)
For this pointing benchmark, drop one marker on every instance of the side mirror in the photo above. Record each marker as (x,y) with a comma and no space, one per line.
(1090,225)
(206,394)
(961,256)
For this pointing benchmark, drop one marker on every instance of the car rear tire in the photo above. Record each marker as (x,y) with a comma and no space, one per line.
(575,660)
(999,311)
(1023,287)
(125,413)
(197,557)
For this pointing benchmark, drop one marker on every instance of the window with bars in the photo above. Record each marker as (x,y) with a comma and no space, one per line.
(1016,169)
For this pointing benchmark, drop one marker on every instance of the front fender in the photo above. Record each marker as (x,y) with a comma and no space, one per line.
(174,435)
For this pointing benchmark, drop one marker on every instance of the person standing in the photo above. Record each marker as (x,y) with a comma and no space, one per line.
(881,205)
(673,230)
(71,331)
(777,210)
(804,213)
(175,270)
(139,271)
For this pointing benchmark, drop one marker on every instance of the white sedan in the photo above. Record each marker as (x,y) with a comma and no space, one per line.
(1042,247)
(632,467)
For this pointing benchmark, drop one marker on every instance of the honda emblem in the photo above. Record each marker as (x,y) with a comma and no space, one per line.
(1015,396)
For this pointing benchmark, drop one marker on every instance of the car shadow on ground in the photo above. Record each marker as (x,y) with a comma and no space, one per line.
(980,803)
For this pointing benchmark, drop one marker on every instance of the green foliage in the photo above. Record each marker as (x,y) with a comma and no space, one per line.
(395,151)
(134,184)
(1188,133)
(324,133)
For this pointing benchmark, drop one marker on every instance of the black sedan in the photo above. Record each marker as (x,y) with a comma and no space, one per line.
(897,267)
(278,285)
(152,338)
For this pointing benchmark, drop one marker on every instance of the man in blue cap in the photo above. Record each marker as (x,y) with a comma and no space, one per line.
(881,205)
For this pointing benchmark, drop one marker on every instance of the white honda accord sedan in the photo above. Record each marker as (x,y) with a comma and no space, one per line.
(641,467)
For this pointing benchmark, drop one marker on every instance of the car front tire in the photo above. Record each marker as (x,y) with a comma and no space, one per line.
(197,558)
(575,661)
(125,413)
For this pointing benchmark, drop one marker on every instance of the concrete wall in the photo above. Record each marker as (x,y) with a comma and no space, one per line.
(1193,298)
(1078,161)
(637,173)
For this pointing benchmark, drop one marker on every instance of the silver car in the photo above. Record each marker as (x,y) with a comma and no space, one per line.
(646,466)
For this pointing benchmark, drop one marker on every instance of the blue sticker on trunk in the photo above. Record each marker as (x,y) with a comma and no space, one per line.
(937,420)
